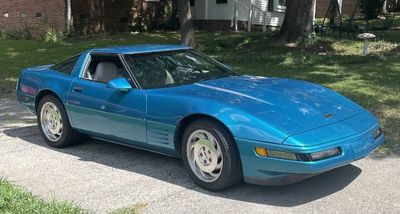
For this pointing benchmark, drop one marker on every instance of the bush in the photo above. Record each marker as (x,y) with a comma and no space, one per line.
(53,35)
(15,34)
(372,8)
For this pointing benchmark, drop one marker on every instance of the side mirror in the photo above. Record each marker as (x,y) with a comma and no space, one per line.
(121,84)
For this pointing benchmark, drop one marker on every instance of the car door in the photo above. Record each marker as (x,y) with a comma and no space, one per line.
(105,112)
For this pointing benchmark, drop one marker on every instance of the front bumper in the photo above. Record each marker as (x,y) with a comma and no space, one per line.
(275,171)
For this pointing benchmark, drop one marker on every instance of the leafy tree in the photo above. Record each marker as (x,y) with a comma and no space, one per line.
(147,15)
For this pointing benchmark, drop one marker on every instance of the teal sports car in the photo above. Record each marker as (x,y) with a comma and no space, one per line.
(174,100)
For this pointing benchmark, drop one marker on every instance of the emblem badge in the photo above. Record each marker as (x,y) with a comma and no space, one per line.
(328,115)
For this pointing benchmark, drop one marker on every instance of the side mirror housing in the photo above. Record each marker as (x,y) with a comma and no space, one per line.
(121,84)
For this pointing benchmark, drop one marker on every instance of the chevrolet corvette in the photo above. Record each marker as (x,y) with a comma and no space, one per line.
(174,100)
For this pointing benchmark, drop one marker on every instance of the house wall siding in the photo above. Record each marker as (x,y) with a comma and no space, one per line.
(258,16)
(218,11)
(223,13)
(22,14)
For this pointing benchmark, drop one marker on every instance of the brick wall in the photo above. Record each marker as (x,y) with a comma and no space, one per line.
(89,16)
(32,14)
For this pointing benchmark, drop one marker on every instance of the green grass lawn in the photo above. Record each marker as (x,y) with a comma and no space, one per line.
(16,200)
(334,62)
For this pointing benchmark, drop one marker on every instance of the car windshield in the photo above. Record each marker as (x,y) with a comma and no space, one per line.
(174,68)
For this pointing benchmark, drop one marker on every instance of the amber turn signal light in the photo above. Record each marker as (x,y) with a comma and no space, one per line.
(262,152)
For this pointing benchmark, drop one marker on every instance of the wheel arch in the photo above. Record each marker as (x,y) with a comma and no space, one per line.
(184,123)
(42,94)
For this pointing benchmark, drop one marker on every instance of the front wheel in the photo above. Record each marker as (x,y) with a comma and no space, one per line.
(210,155)
(54,124)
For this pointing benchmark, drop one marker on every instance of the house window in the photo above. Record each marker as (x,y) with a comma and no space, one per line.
(221,1)
(38,15)
(277,5)
(280,5)
(192,3)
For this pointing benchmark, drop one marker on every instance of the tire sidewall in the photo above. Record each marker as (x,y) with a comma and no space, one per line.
(63,140)
(231,172)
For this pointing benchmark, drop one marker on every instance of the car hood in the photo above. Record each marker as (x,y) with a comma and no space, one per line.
(292,106)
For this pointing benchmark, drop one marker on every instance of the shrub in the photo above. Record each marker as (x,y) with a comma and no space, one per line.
(15,34)
(53,35)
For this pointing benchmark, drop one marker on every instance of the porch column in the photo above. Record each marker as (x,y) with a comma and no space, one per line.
(206,9)
(315,10)
(340,3)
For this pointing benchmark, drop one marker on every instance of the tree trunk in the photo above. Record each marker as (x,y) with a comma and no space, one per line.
(298,20)
(185,20)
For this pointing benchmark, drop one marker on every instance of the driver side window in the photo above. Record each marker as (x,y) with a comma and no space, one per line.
(103,68)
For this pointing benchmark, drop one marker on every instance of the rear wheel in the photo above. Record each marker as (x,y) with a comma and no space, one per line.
(210,155)
(54,124)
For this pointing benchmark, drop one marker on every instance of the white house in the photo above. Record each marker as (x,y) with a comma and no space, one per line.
(220,14)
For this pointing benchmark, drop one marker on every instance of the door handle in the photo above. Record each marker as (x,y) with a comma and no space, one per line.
(77,89)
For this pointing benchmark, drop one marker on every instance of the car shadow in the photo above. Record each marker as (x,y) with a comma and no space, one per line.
(172,170)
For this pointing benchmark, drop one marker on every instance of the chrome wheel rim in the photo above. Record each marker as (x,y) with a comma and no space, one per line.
(51,121)
(204,155)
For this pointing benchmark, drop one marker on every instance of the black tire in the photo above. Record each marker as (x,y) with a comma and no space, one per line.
(231,173)
(68,135)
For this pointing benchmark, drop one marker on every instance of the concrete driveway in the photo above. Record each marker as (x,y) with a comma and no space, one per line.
(102,177)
